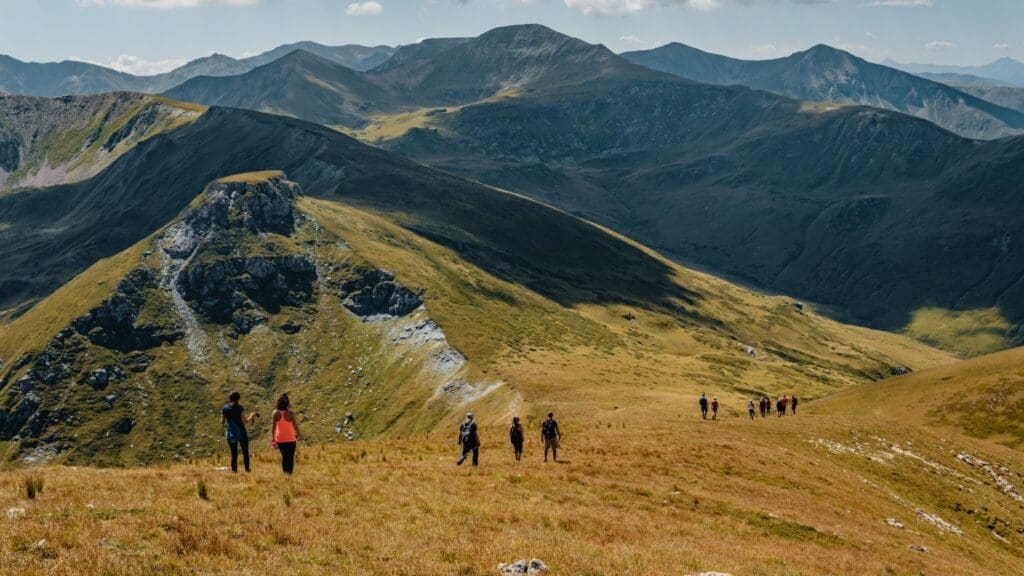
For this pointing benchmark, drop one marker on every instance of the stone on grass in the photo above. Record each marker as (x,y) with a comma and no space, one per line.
(533,567)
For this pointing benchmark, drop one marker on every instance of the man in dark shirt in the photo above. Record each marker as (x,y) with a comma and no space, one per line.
(551,436)
(469,440)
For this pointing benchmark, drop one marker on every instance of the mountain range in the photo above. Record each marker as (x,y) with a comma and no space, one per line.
(170,267)
(846,206)
(825,74)
(69,78)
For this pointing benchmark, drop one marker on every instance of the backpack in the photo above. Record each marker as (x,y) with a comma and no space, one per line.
(466,433)
(549,428)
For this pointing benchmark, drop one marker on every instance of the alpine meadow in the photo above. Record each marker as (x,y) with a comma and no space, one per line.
(416,288)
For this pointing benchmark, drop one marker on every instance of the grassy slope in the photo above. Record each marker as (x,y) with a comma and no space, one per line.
(634,496)
(982,397)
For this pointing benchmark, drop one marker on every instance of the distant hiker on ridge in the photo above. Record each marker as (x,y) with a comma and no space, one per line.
(703,406)
(785,404)
(515,436)
(551,436)
(763,405)
(469,440)
(778,407)
(714,408)
(794,401)
(751,410)
(285,433)
(233,419)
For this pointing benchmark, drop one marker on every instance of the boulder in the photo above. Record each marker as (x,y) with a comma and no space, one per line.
(533,567)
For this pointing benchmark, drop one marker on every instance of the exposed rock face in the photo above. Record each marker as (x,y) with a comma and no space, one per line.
(113,324)
(238,290)
(373,295)
(216,274)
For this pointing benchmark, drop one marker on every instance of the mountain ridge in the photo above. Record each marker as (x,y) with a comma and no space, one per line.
(823,73)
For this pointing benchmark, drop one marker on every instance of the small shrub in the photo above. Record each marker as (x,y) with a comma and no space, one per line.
(33,487)
(202,490)
(288,499)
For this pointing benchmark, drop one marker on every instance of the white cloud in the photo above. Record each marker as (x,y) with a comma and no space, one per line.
(937,45)
(626,7)
(138,66)
(910,3)
(1001,46)
(367,8)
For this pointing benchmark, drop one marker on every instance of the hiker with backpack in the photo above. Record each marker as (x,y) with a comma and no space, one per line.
(703,406)
(469,440)
(233,419)
(761,404)
(714,408)
(516,437)
(794,401)
(778,407)
(551,436)
(750,409)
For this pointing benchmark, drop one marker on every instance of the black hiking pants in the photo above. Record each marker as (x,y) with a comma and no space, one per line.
(234,446)
(466,449)
(518,446)
(287,456)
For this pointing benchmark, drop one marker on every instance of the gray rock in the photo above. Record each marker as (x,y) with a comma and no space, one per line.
(533,567)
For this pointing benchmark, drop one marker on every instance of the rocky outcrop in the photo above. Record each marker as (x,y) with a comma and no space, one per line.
(113,323)
(373,295)
(241,290)
(210,253)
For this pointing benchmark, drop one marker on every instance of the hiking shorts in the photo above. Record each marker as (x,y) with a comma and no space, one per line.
(551,443)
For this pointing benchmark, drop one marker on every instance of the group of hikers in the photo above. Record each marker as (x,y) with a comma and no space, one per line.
(550,436)
(782,405)
(285,434)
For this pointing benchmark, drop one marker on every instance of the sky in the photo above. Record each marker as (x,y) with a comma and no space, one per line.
(150,36)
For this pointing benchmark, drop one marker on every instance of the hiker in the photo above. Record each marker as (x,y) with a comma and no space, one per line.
(515,435)
(785,404)
(284,433)
(778,407)
(714,408)
(233,419)
(763,404)
(703,406)
(469,440)
(751,410)
(551,436)
(793,401)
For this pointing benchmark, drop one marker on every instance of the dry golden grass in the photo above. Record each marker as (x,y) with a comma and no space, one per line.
(671,496)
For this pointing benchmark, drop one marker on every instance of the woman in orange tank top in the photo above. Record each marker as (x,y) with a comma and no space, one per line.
(285,433)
